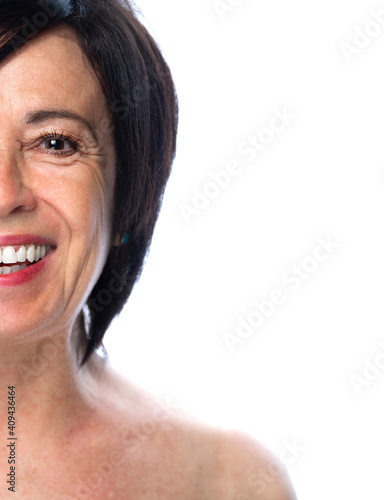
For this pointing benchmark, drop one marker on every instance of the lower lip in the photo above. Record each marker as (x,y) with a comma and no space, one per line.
(27,274)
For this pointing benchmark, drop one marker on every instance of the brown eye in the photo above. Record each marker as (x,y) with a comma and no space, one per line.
(57,145)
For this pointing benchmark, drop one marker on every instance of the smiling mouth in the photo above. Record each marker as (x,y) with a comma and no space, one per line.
(16,258)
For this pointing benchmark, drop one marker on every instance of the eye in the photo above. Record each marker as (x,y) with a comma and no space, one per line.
(58,144)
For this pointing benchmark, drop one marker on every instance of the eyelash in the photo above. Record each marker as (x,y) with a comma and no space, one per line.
(65,137)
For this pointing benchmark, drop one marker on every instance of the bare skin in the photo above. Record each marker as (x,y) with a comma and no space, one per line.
(87,433)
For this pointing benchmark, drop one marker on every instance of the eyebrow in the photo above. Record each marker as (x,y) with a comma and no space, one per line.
(39,116)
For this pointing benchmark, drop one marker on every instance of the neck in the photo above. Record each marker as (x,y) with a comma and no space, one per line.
(51,390)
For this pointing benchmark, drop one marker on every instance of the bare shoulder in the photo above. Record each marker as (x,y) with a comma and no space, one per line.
(251,471)
(231,464)
(190,456)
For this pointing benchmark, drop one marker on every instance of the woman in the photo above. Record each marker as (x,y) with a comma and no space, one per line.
(88,119)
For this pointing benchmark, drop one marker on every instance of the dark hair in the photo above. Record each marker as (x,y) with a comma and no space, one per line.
(142,100)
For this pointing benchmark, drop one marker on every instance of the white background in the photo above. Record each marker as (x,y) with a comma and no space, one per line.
(322,176)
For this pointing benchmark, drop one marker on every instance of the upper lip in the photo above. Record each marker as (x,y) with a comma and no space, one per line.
(23,239)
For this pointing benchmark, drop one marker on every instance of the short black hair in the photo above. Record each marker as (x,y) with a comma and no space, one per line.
(141,96)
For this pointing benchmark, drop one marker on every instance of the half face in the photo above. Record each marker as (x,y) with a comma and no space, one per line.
(57,176)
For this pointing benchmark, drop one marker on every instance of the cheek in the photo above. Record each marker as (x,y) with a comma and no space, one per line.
(84,207)
(81,197)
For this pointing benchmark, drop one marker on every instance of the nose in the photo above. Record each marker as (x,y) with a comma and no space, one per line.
(15,196)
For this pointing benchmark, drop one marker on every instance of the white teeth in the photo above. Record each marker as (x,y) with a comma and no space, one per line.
(22,254)
(10,270)
(31,253)
(9,255)
(37,254)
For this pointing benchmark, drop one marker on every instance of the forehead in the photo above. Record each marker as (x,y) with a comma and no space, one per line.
(51,71)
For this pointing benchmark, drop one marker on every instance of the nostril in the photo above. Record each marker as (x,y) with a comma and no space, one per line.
(12,207)
(15,196)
